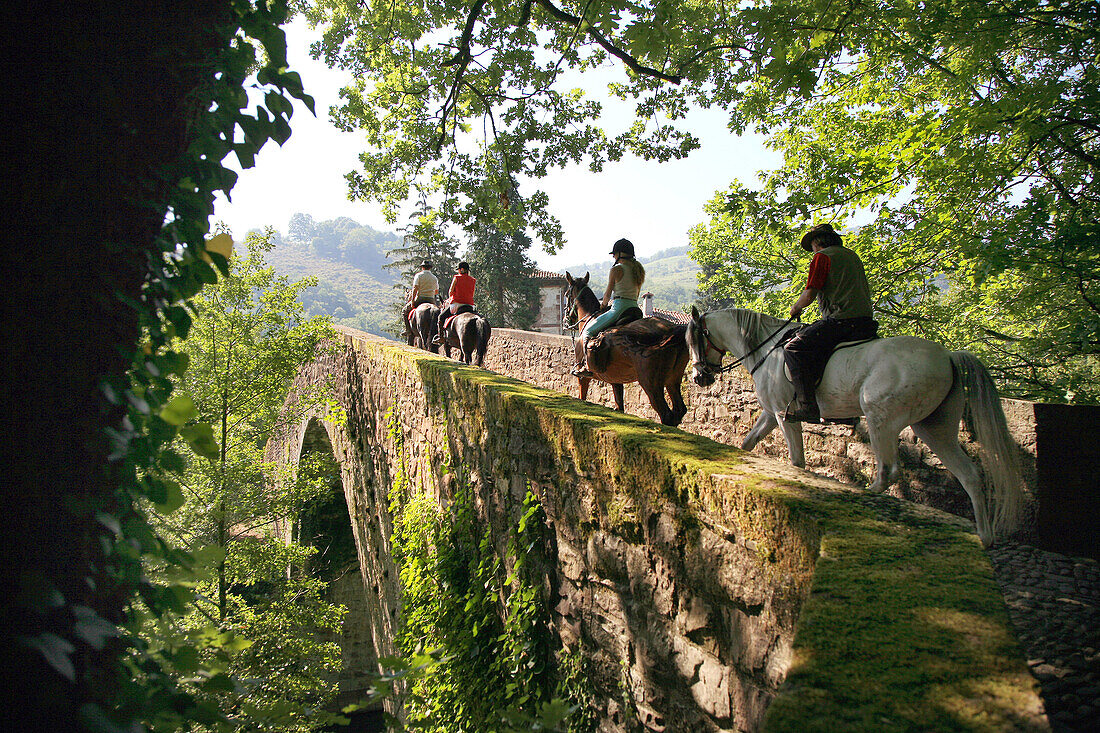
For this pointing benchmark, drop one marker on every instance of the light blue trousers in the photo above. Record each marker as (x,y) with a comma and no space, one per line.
(618,305)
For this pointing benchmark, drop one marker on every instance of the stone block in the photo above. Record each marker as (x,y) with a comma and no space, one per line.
(693,614)
(605,556)
(712,690)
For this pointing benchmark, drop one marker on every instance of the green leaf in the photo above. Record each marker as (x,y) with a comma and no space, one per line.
(173,499)
(109,521)
(201,439)
(93,628)
(55,651)
(220,682)
(179,410)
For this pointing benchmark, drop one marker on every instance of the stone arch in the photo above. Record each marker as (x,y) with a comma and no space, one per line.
(328,528)
(352,527)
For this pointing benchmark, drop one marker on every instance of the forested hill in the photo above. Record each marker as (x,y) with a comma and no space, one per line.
(346,258)
(671,275)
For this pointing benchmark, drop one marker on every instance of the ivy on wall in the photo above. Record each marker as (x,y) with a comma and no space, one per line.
(114,679)
(482,615)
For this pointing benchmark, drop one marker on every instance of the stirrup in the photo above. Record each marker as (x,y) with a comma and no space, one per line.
(581,372)
(799,411)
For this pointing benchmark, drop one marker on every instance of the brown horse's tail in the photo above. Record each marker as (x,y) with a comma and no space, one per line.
(483,331)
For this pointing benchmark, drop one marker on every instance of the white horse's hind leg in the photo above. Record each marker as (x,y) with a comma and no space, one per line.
(764,425)
(940,431)
(792,433)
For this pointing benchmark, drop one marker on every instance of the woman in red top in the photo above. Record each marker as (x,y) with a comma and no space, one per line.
(461,293)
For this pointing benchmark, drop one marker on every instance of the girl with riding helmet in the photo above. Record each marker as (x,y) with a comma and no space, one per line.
(624,283)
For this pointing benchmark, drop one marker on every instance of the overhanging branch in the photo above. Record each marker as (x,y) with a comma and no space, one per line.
(632,63)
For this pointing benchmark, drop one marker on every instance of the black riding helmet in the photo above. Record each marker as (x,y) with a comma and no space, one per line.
(426,265)
(623,246)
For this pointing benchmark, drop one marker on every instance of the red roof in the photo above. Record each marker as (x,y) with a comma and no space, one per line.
(674,316)
(546,275)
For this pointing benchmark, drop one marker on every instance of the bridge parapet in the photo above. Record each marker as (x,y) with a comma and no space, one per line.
(712,589)
(1059,452)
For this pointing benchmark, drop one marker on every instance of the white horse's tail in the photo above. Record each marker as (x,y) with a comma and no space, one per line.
(986,420)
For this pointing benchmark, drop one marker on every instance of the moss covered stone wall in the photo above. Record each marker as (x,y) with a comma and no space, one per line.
(727,410)
(709,589)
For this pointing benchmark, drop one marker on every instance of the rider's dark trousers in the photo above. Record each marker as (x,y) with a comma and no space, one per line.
(809,350)
(447,311)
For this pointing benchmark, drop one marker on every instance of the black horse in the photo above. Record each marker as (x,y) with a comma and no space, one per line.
(422,326)
(469,333)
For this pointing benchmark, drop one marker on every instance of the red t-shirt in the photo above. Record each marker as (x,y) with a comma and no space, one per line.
(819,272)
(462,289)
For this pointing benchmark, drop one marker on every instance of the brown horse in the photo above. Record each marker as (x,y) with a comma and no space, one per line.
(469,333)
(649,351)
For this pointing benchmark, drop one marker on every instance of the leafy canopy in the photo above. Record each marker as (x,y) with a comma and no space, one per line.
(962,135)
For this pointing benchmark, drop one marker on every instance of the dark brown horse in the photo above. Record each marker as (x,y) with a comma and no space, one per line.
(422,325)
(649,351)
(469,333)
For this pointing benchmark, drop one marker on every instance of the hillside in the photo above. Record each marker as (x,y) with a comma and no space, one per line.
(352,296)
(671,275)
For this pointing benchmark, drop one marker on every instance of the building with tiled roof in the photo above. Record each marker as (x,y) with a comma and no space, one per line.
(552,300)
(648,309)
(552,303)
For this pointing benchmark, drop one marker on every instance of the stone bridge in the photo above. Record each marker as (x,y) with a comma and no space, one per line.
(708,589)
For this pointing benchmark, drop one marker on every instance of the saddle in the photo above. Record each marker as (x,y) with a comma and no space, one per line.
(788,335)
(458,310)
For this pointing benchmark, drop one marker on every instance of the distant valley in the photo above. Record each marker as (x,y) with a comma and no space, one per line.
(355,290)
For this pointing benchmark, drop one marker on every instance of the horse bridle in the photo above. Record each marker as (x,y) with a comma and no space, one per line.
(570,307)
(705,367)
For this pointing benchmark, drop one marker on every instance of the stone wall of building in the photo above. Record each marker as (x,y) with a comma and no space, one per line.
(1063,511)
(680,568)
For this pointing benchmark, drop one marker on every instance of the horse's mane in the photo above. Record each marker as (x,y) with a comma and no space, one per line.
(587,299)
(758,325)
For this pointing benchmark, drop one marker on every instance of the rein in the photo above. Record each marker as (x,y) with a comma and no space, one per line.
(571,307)
(704,332)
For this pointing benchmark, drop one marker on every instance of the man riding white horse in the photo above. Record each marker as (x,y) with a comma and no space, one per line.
(838,282)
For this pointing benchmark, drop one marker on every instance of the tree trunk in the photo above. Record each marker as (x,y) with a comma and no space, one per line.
(101,106)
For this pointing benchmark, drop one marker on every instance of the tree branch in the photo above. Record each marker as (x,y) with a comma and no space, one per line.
(632,63)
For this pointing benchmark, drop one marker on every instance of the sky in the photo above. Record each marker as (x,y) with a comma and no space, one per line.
(652,204)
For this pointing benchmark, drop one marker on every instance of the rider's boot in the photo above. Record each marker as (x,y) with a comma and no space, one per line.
(438,338)
(580,370)
(803,407)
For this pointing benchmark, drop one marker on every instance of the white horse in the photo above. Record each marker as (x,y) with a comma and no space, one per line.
(892,382)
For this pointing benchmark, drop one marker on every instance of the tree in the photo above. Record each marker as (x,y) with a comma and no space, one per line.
(462,98)
(301,227)
(423,240)
(247,343)
(506,294)
(119,157)
(963,137)
(967,141)
(360,248)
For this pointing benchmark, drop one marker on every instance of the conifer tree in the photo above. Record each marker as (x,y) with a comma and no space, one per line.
(506,294)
